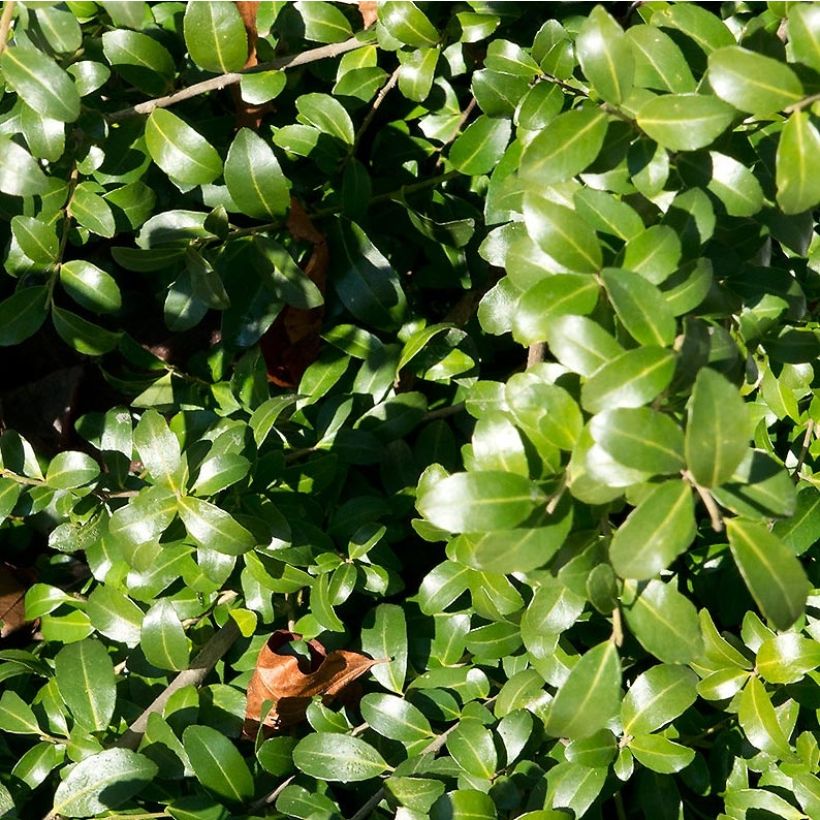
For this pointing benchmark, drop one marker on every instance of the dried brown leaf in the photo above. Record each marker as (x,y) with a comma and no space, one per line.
(369,11)
(290,682)
(13,586)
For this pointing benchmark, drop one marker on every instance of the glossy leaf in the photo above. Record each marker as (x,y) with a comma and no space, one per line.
(684,122)
(213,528)
(90,287)
(85,678)
(39,81)
(22,314)
(184,154)
(217,764)
(657,697)
(479,148)
(640,306)
(163,639)
(215,36)
(798,168)
(253,176)
(337,757)
(605,56)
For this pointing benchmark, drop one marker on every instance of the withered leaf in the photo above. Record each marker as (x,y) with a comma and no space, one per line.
(289,682)
(369,12)
(13,586)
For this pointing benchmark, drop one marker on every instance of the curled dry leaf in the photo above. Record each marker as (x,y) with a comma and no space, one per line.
(369,12)
(289,681)
(293,342)
(249,115)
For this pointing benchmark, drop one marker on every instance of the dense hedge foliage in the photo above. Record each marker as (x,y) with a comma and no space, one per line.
(478,340)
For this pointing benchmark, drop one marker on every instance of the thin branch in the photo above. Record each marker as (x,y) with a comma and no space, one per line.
(443,412)
(801,104)
(535,354)
(271,796)
(617,636)
(201,665)
(5,23)
(233,77)
(706,497)
(383,92)
(804,450)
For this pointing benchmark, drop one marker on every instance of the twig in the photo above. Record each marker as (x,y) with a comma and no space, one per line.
(535,354)
(706,497)
(383,92)
(443,412)
(617,636)
(804,451)
(233,77)
(271,796)
(201,665)
(5,23)
(801,104)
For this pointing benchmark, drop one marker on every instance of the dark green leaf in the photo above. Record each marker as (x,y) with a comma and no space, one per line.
(85,678)
(44,86)
(640,306)
(253,176)
(184,154)
(217,764)
(479,148)
(214,528)
(22,315)
(90,286)
(215,36)
(685,122)
(163,638)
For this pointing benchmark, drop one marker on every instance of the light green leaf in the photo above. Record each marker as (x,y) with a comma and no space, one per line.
(90,287)
(36,239)
(407,23)
(336,757)
(590,696)
(655,533)
(71,469)
(640,306)
(102,781)
(479,148)
(716,434)
(16,716)
(798,165)
(158,448)
(804,34)
(665,623)
(115,615)
(163,639)
(20,174)
(85,677)
(471,746)
(214,528)
(605,56)
(580,344)
(684,122)
(253,176)
(395,718)
(659,63)
(215,35)
(418,70)
(41,83)
(476,501)
(183,153)
(323,22)
(632,379)
(657,697)
(787,658)
(751,82)
(384,635)
(772,574)
(327,114)
(559,232)
(661,754)
(759,722)
(735,186)
(217,764)
(565,147)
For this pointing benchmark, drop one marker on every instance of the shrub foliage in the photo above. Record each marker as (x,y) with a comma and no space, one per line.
(475,339)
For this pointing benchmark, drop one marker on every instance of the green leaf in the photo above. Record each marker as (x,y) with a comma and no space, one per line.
(654,253)
(41,83)
(657,697)
(590,696)
(580,344)
(735,186)
(92,211)
(640,306)
(557,295)
(417,72)
(660,754)
(665,623)
(184,154)
(716,430)
(36,239)
(659,63)
(640,438)
(655,533)
(20,175)
(71,469)
(16,716)
(395,718)
(384,635)
(632,379)
(802,528)
(605,56)
(253,176)
(759,722)
(220,471)
(364,279)
(327,114)
(442,585)
(263,86)
(90,287)
(684,122)
(336,757)
(82,335)
(22,314)
(158,448)
(772,574)
(707,30)
(787,658)
(115,615)
(481,146)
(804,34)
(559,232)
(798,165)
(215,36)
(404,21)
(275,755)
(140,59)
(85,678)
(60,28)
(217,764)
(471,746)
(751,82)
(475,501)
(323,22)
(214,528)
(163,639)
(759,488)
(565,147)
(102,781)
